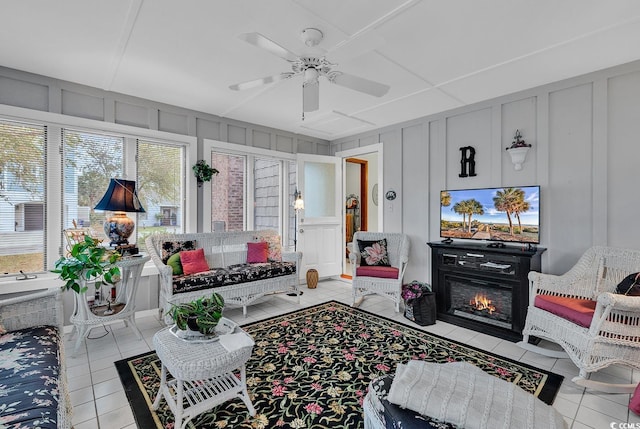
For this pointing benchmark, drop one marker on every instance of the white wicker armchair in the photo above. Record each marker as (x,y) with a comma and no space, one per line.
(398,251)
(613,336)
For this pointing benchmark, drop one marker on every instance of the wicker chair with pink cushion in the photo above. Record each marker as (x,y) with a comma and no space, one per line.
(582,312)
(378,262)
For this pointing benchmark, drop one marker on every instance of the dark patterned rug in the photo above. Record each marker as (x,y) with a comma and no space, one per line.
(311,369)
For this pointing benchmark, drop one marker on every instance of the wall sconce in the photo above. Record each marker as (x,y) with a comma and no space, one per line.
(518,151)
(298,204)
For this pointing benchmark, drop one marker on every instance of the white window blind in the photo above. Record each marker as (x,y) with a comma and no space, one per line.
(90,160)
(22,197)
(161,189)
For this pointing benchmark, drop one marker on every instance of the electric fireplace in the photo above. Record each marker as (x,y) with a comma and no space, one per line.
(483,288)
(482,302)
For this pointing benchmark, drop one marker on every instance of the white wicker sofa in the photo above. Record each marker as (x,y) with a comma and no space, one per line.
(236,281)
(33,381)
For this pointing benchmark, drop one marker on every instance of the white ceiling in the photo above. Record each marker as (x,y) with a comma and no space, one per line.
(435,55)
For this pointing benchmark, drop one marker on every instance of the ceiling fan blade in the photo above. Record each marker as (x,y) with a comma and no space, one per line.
(262,81)
(310,96)
(262,42)
(358,83)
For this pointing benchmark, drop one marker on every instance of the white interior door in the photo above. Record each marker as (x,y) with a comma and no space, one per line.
(319,228)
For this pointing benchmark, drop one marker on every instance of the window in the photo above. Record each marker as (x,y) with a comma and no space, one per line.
(291,213)
(55,168)
(22,197)
(266,194)
(161,169)
(91,160)
(253,190)
(228,192)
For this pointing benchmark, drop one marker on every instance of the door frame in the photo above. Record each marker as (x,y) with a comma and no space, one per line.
(355,152)
(364,189)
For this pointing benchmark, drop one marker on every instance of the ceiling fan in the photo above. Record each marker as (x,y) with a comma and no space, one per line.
(310,67)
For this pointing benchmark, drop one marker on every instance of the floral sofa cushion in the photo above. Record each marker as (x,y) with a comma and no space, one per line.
(29,374)
(231,275)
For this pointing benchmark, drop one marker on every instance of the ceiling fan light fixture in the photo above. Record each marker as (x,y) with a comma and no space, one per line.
(311,76)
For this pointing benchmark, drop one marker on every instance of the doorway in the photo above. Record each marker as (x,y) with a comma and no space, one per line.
(362,181)
(356,201)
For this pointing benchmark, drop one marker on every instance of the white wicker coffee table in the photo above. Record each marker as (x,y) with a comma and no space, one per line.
(203,371)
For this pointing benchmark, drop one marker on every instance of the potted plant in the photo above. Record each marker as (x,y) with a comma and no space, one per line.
(518,150)
(203,171)
(88,261)
(201,315)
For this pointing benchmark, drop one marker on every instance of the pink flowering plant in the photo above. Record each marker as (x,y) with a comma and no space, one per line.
(414,290)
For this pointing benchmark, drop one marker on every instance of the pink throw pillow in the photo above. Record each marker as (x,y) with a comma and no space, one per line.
(193,261)
(257,252)
(634,404)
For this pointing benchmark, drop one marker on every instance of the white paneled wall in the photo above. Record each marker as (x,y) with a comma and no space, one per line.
(585,156)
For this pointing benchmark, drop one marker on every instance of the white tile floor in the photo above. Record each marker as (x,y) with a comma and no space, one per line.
(99,400)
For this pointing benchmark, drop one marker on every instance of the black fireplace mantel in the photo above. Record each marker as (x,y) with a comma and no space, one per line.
(474,263)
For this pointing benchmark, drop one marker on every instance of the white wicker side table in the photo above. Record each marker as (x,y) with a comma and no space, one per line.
(203,372)
(84,319)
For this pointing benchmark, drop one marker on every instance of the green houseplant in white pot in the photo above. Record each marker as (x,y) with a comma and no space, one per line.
(201,315)
(88,262)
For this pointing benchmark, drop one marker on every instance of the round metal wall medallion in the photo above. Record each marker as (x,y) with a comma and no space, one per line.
(390,195)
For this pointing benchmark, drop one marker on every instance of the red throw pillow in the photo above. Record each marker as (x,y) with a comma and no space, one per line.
(193,261)
(257,252)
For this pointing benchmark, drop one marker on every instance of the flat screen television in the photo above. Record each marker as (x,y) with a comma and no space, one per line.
(508,214)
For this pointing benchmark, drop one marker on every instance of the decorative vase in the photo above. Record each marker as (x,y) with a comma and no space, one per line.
(312,278)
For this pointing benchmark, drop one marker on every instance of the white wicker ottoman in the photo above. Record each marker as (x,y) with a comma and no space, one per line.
(203,372)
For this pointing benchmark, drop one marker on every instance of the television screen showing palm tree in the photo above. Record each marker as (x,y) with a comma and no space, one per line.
(509,214)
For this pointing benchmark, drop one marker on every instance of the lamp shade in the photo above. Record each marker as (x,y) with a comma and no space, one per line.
(298,203)
(121,196)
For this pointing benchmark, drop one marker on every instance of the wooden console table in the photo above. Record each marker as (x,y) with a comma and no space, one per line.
(85,318)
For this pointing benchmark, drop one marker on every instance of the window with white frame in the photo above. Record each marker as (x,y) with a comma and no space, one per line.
(22,197)
(54,169)
(91,160)
(161,188)
(253,191)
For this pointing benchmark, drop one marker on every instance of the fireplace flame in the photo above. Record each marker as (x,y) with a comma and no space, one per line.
(481,302)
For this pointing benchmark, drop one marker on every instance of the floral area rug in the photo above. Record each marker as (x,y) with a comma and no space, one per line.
(311,369)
